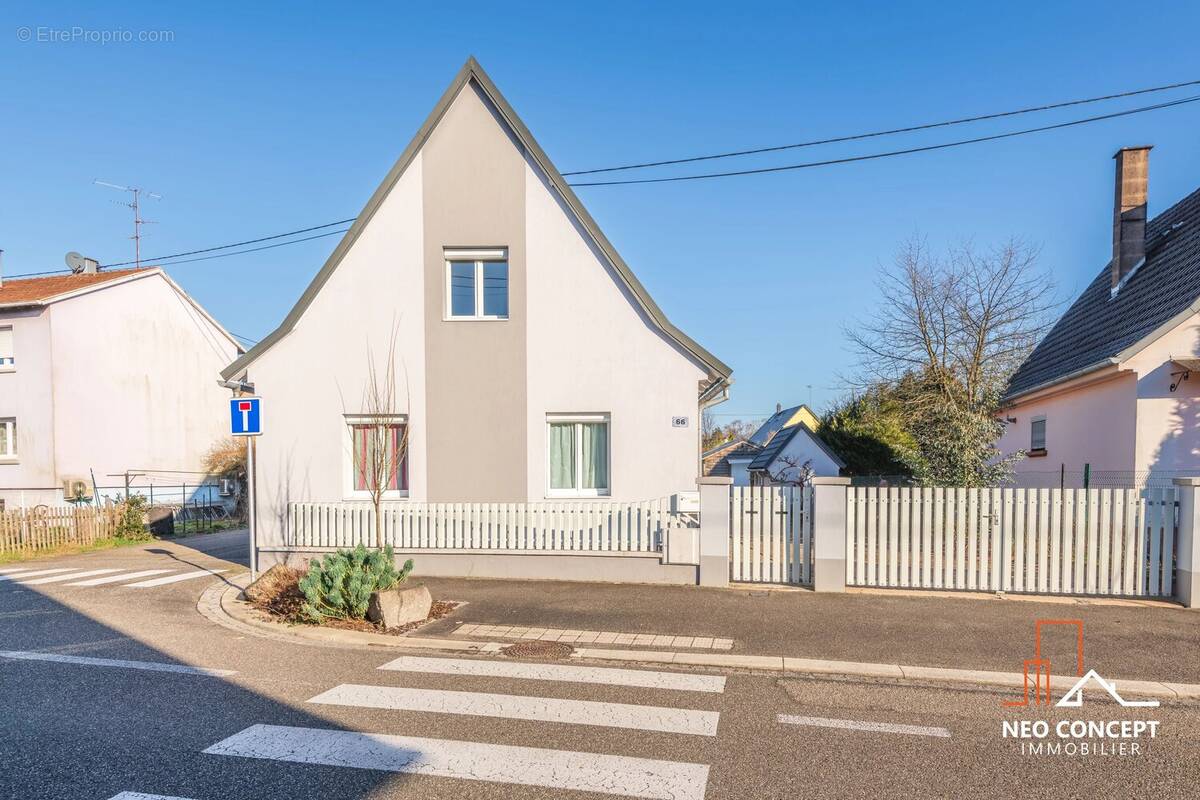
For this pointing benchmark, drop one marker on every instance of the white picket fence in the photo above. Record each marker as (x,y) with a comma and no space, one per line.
(500,527)
(1048,541)
(770,534)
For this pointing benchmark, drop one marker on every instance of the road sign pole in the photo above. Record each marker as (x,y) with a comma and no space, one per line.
(251,510)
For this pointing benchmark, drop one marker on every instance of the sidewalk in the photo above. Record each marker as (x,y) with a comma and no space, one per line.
(1146,641)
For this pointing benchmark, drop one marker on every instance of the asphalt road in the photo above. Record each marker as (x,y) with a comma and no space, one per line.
(79,729)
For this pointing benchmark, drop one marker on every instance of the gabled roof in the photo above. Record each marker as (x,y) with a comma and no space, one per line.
(38,291)
(778,443)
(1100,329)
(472,72)
(766,432)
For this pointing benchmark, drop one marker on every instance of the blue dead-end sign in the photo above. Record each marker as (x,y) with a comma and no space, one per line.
(244,416)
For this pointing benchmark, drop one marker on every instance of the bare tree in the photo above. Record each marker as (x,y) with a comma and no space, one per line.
(789,471)
(713,433)
(946,340)
(965,321)
(384,439)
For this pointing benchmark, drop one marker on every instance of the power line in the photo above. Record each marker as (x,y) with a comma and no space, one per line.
(890,132)
(890,153)
(211,249)
(252,249)
(235,244)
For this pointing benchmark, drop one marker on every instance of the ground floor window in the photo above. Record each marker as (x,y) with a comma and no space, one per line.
(8,437)
(378,453)
(579,455)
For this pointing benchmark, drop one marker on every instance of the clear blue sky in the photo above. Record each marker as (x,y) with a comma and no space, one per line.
(258,120)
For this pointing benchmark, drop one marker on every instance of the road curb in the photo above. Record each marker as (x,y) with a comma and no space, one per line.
(220,604)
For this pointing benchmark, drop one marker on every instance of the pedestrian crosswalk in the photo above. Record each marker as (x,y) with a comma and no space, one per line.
(403,746)
(67,577)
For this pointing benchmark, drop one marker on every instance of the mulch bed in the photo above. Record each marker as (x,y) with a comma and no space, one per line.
(280,598)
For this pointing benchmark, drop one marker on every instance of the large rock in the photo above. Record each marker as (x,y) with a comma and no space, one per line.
(400,606)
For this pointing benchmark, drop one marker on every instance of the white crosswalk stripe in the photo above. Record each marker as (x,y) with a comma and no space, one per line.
(529,766)
(187,576)
(11,570)
(88,661)
(124,576)
(541,709)
(69,576)
(567,673)
(21,574)
(144,796)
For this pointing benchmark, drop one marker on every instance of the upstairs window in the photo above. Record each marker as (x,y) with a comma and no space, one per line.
(8,359)
(8,438)
(1037,435)
(477,284)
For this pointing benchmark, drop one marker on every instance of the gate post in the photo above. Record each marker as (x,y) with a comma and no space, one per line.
(1187,554)
(714,531)
(829,534)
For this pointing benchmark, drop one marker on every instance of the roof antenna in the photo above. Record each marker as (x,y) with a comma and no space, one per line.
(138,222)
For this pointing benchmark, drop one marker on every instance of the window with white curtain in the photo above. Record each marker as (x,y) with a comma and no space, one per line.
(8,359)
(578,455)
(8,438)
(476,284)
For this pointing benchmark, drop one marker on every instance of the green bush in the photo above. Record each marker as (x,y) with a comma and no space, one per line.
(132,523)
(340,585)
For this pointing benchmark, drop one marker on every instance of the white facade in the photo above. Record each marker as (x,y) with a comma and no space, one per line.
(580,340)
(119,375)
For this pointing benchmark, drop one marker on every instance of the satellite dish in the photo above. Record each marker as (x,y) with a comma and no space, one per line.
(75,261)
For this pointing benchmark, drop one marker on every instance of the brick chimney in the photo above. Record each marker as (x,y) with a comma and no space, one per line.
(1129,211)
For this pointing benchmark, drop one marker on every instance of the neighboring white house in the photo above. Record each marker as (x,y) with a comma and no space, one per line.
(780,452)
(532,363)
(103,372)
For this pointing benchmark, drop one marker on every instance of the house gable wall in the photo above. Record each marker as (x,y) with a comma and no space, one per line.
(474,196)
(1168,423)
(133,382)
(316,374)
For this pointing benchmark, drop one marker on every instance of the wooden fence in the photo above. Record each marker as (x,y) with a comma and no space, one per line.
(770,534)
(45,528)
(501,527)
(1117,542)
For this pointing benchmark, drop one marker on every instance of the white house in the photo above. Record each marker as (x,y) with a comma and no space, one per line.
(780,452)
(531,362)
(103,372)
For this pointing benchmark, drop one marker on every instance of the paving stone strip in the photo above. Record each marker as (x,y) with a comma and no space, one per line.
(592,637)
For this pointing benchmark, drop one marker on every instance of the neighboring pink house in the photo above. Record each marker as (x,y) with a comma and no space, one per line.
(1111,388)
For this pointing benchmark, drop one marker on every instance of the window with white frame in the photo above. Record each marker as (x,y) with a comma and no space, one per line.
(378,454)
(477,284)
(8,438)
(8,360)
(578,455)
(1037,434)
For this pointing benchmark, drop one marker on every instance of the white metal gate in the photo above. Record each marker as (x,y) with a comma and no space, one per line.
(1047,541)
(770,534)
